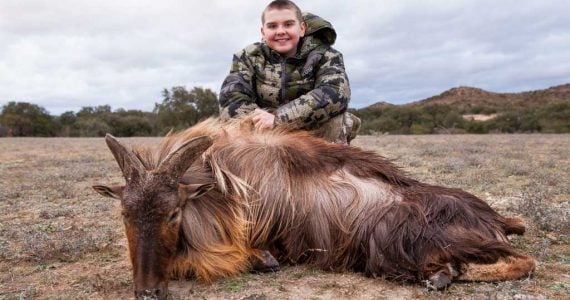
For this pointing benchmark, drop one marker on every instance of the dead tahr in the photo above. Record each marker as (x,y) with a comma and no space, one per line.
(217,200)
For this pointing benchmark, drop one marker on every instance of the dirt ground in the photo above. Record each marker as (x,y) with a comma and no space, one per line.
(61,240)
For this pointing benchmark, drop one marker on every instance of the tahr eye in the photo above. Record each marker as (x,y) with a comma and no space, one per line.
(174,216)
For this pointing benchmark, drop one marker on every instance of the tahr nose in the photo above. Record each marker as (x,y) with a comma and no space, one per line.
(157,293)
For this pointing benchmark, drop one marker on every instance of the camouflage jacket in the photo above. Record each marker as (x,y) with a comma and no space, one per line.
(305,90)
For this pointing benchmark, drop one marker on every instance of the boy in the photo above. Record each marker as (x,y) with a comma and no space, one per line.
(293,77)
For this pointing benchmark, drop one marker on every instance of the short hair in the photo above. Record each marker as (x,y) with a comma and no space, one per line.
(283,4)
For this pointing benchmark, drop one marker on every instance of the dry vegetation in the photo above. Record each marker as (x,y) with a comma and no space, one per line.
(61,240)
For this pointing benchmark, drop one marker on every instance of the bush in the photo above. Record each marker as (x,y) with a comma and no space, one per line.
(26,119)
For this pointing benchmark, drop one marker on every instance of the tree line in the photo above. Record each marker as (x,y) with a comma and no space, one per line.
(180,108)
(429,119)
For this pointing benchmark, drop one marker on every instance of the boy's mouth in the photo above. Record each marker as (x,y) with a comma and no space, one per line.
(282,40)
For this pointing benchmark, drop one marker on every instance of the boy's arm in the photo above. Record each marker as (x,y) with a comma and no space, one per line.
(328,99)
(237,95)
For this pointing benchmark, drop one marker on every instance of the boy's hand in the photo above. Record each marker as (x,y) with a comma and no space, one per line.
(262,119)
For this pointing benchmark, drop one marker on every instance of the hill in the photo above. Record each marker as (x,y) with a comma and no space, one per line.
(468,98)
(473,110)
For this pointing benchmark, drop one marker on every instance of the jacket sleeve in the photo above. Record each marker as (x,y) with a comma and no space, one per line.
(237,95)
(328,99)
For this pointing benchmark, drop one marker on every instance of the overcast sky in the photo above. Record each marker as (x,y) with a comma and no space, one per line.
(66,54)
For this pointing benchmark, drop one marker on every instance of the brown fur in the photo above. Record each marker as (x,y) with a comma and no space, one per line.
(331,206)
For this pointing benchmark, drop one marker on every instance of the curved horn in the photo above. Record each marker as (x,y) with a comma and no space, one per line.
(130,165)
(179,160)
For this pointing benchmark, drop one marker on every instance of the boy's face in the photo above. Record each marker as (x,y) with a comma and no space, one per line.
(282,31)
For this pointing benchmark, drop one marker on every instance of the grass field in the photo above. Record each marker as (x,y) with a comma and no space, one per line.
(61,240)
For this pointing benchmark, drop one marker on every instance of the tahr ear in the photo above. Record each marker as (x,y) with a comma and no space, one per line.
(115,191)
(194,190)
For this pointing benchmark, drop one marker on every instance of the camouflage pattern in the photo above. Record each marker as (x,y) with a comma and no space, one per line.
(303,91)
(340,129)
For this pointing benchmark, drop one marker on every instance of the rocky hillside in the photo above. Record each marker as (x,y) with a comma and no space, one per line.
(473,110)
(475,100)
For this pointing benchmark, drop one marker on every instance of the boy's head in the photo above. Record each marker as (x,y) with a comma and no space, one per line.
(282,26)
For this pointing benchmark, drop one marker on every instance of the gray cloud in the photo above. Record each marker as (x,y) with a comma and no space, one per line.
(67,54)
(416,50)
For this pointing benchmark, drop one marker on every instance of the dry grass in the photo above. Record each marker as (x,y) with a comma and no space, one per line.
(60,240)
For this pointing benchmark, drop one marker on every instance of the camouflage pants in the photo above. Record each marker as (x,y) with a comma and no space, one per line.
(340,130)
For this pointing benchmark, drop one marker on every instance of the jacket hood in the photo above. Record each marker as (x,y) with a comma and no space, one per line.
(319,28)
(319,35)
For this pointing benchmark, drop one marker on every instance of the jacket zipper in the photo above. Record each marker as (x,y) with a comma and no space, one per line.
(282,91)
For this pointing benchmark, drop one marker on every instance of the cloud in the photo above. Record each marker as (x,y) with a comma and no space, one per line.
(67,54)
(423,48)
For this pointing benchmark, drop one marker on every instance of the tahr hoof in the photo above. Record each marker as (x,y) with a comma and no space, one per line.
(438,281)
(154,294)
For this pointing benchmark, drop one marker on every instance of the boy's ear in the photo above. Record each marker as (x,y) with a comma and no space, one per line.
(115,191)
(303,28)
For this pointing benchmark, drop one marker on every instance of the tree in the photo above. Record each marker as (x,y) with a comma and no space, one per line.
(181,108)
(132,123)
(555,117)
(206,102)
(100,120)
(68,124)
(94,111)
(26,119)
(94,120)
(92,127)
